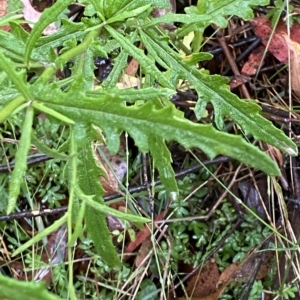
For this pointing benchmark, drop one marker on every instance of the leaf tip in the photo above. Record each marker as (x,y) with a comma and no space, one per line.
(292,151)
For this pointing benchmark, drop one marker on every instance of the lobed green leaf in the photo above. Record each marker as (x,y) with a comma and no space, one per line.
(67,31)
(88,178)
(167,123)
(48,16)
(113,77)
(128,14)
(214,89)
(147,64)
(17,78)
(109,9)
(220,9)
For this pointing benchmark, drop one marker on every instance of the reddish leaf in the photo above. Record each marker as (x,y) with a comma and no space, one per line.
(204,282)
(142,235)
(254,61)
(278,47)
(143,252)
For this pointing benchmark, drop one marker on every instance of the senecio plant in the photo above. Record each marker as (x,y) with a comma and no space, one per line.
(117,29)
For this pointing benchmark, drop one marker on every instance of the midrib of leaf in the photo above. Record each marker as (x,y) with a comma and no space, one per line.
(131,95)
(167,123)
(246,114)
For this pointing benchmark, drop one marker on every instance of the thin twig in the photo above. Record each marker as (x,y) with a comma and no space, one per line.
(235,70)
(59,210)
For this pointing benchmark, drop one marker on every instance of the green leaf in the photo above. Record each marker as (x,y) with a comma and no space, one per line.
(68,30)
(113,77)
(79,219)
(108,9)
(131,95)
(119,65)
(21,160)
(214,89)
(148,291)
(166,123)
(89,184)
(48,16)
(128,14)
(13,289)
(46,150)
(220,9)
(180,18)
(51,112)
(147,64)
(10,107)
(13,46)
(19,32)
(162,161)
(16,77)
(10,17)
(84,64)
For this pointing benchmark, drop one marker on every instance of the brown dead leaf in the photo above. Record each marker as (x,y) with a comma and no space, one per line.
(238,80)
(277,46)
(225,277)
(254,61)
(221,284)
(19,271)
(142,235)
(143,252)
(237,271)
(204,282)
(224,280)
(294,64)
